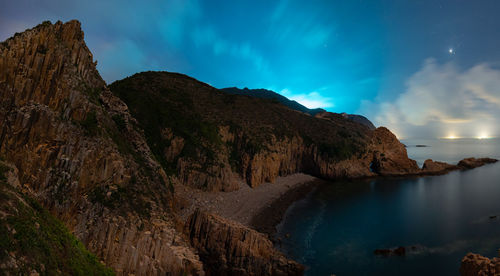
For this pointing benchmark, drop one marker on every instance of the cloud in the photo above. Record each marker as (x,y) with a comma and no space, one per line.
(286,24)
(309,100)
(207,37)
(442,100)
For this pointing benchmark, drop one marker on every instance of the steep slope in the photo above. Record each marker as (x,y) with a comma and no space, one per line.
(208,138)
(233,249)
(81,155)
(33,241)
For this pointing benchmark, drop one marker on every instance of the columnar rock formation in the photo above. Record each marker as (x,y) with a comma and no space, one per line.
(229,248)
(77,152)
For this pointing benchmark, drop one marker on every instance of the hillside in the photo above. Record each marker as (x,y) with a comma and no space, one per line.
(268,94)
(209,138)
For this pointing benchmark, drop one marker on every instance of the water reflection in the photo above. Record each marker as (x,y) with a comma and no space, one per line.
(335,229)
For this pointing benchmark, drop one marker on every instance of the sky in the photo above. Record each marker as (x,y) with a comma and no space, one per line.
(423,68)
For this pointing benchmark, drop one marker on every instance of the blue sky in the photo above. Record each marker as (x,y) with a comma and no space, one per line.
(345,56)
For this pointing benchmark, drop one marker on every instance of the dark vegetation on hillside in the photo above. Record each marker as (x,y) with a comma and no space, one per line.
(33,239)
(268,94)
(195,110)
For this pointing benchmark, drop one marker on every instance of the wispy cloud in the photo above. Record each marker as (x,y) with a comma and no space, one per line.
(441,99)
(286,24)
(208,37)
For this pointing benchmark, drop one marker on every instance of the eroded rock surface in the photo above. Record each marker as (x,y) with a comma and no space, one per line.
(78,152)
(475,264)
(229,248)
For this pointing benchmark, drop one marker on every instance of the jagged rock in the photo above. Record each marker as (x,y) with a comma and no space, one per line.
(471,163)
(475,264)
(389,155)
(230,248)
(437,167)
(78,151)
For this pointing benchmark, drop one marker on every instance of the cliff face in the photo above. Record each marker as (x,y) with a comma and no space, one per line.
(229,248)
(78,152)
(207,137)
(33,241)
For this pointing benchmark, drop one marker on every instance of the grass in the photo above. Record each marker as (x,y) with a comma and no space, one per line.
(39,240)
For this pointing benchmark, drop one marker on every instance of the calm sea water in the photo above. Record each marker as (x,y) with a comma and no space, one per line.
(336,228)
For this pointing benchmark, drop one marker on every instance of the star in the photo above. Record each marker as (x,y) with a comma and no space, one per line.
(451,51)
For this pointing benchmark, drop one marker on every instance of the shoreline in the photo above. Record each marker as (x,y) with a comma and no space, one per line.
(247,205)
(270,216)
(263,207)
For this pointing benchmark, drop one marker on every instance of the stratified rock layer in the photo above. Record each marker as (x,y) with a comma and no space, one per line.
(229,248)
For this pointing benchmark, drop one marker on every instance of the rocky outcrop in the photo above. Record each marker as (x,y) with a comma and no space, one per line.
(471,163)
(229,248)
(80,153)
(475,264)
(431,166)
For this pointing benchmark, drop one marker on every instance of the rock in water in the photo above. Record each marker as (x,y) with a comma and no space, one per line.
(475,264)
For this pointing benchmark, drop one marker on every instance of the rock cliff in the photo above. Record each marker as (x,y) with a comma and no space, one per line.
(32,241)
(229,248)
(79,153)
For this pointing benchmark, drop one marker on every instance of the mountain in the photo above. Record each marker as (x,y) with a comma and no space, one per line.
(268,94)
(110,162)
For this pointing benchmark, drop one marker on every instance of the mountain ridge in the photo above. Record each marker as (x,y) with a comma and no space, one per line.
(274,96)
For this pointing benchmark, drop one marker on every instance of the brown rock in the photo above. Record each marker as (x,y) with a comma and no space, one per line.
(437,167)
(230,248)
(470,163)
(73,142)
(475,264)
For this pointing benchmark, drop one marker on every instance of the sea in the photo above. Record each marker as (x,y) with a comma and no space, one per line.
(335,229)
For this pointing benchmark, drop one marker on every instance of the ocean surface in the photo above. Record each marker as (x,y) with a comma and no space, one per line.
(336,228)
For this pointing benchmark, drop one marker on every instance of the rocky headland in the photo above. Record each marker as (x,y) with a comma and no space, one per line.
(137,170)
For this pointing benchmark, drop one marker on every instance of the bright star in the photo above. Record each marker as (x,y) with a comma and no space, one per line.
(450,50)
